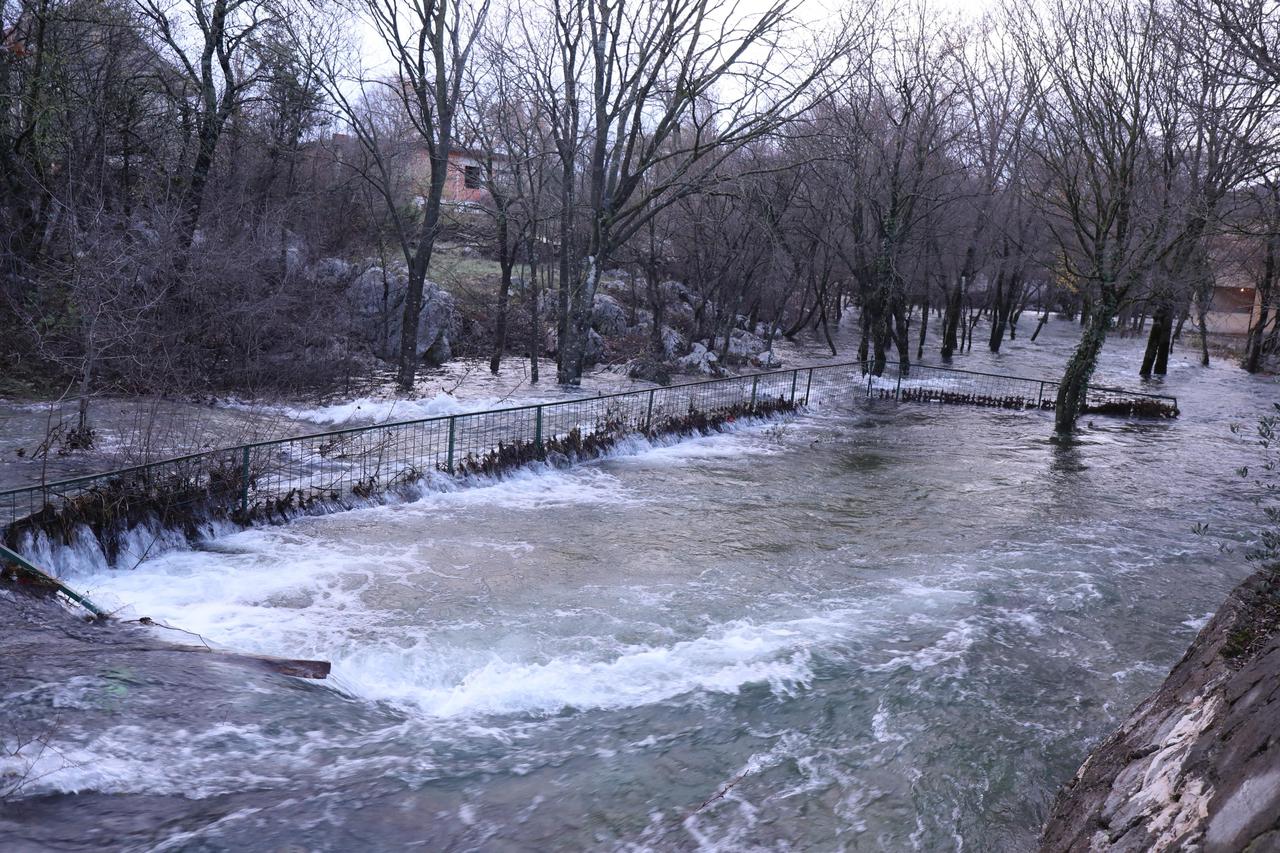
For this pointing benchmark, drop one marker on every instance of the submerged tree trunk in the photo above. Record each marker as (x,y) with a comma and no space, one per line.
(864,338)
(1156,358)
(924,329)
(1257,332)
(902,338)
(1044,318)
(1203,328)
(1075,379)
(506,260)
(535,319)
(951,318)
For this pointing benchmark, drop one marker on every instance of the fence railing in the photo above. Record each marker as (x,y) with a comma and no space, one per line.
(340,468)
(927,383)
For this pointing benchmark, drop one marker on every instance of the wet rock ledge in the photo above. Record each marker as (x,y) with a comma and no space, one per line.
(1197,765)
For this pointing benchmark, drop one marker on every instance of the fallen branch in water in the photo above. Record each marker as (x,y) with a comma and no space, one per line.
(718,795)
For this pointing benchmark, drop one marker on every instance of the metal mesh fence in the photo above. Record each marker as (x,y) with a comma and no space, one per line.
(928,384)
(275,479)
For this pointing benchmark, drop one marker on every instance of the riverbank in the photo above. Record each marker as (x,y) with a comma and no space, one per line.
(1197,765)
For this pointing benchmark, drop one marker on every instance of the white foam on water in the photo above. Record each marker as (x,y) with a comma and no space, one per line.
(950,647)
(281,591)
(731,443)
(945,383)
(532,488)
(1195,623)
(259,588)
(725,659)
(221,758)
(374,410)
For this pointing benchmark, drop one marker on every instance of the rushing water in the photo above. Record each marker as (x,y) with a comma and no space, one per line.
(869,627)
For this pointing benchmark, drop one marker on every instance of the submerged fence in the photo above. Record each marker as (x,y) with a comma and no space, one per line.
(928,384)
(340,468)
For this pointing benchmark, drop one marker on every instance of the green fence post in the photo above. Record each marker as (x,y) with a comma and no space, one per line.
(1040,396)
(870,377)
(807,385)
(244,482)
(32,570)
(449,459)
(537,433)
(897,391)
(755,383)
(794,375)
(648,417)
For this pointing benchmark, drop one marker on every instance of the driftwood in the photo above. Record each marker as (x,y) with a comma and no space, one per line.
(296,667)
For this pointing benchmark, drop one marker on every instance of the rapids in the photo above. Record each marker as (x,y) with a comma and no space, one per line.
(871,626)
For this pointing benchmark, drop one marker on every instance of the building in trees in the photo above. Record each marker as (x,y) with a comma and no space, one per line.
(1236,304)
(464,183)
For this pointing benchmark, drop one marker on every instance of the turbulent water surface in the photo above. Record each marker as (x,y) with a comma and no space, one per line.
(867,627)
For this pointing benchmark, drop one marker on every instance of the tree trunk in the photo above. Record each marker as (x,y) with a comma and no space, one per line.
(535,319)
(506,260)
(1044,318)
(658,306)
(1075,380)
(500,324)
(418,268)
(86,386)
(826,328)
(1201,326)
(1156,357)
(902,338)
(578,328)
(864,321)
(1252,361)
(951,318)
(924,329)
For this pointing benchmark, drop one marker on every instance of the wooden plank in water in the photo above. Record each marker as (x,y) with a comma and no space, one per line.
(296,667)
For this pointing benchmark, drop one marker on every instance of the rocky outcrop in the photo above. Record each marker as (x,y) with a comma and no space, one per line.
(743,346)
(767,360)
(649,369)
(1197,765)
(377,295)
(607,316)
(700,360)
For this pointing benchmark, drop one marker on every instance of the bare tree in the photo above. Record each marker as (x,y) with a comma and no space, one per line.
(220,66)
(429,44)
(1109,196)
(507,128)
(683,83)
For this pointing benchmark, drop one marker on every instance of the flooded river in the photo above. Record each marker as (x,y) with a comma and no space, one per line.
(871,626)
